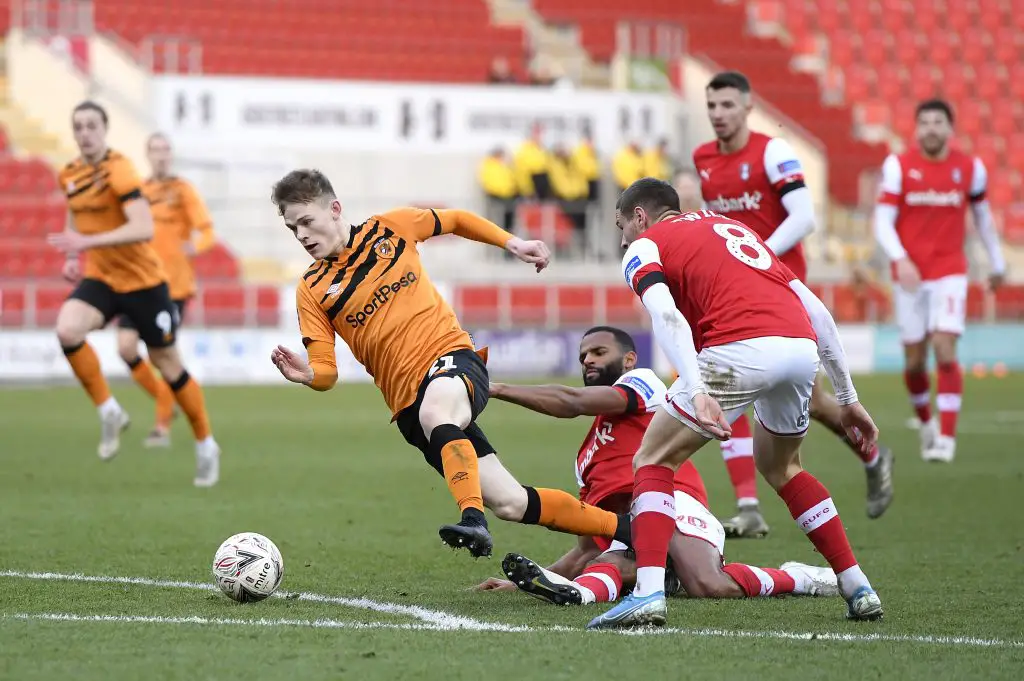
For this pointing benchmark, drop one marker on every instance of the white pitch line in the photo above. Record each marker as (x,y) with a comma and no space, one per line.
(952,641)
(435,620)
(437,617)
(220,621)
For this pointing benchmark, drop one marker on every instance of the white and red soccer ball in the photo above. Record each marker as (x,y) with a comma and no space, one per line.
(248,567)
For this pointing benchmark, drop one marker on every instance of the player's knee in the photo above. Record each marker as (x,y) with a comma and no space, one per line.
(128,348)
(168,362)
(945,348)
(70,335)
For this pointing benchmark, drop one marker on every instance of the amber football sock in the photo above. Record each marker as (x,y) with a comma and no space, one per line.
(144,374)
(459,462)
(190,398)
(558,510)
(86,365)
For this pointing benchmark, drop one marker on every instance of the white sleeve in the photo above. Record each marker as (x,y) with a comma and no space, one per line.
(830,347)
(979,181)
(645,384)
(641,267)
(799,222)
(887,209)
(985,224)
(891,188)
(674,336)
(781,164)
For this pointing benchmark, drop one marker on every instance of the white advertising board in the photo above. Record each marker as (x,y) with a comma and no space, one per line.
(367,116)
(214,357)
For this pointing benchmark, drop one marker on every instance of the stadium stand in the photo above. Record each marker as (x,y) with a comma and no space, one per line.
(883,55)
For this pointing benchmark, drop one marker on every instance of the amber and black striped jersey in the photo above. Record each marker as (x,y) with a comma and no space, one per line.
(96,196)
(377,297)
(178,210)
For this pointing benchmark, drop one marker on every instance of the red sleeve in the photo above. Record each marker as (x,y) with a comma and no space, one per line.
(635,403)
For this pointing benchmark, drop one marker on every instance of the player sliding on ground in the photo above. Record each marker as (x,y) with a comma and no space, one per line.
(623,399)
(369,287)
(756,338)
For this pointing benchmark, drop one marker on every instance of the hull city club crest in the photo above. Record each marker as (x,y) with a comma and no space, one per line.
(384,248)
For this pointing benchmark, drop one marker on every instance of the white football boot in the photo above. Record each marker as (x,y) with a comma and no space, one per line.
(207,463)
(113,421)
(942,451)
(813,580)
(929,434)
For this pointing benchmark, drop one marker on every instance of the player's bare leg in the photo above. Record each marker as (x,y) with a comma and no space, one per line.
(445,413)
(143,374)
(738,453)
(915,375)
(950,388)
(75,320)
(555,509)
(667,443)
(189,396)
(877,464)
(778,460)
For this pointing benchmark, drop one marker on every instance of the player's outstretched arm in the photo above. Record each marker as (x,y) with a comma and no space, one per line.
(860,428)
(321,371)
(563,401)
(475,228)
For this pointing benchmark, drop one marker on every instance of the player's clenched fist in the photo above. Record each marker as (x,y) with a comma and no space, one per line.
(291,365)
(534,252)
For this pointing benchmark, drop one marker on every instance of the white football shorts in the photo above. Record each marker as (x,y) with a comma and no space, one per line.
(693,520)
(775,374)
(938,305)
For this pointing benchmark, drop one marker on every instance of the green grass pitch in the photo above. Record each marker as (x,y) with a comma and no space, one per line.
(355,513)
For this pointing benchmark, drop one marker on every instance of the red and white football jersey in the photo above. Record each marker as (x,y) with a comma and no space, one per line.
(748,185)
(931,198)
(727,284)
(604,465)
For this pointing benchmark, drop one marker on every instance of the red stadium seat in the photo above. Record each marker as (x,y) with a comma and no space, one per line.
(1013,223)
(12,306)
(48,303)
(976,305)
(478,305)
(622,307)
(222,304)
(268,306)
(530,305)
(576,305)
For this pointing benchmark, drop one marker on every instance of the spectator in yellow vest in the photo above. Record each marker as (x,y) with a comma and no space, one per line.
(588,165)
(657,163)
(531,166)
(628,166)
(498,180)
